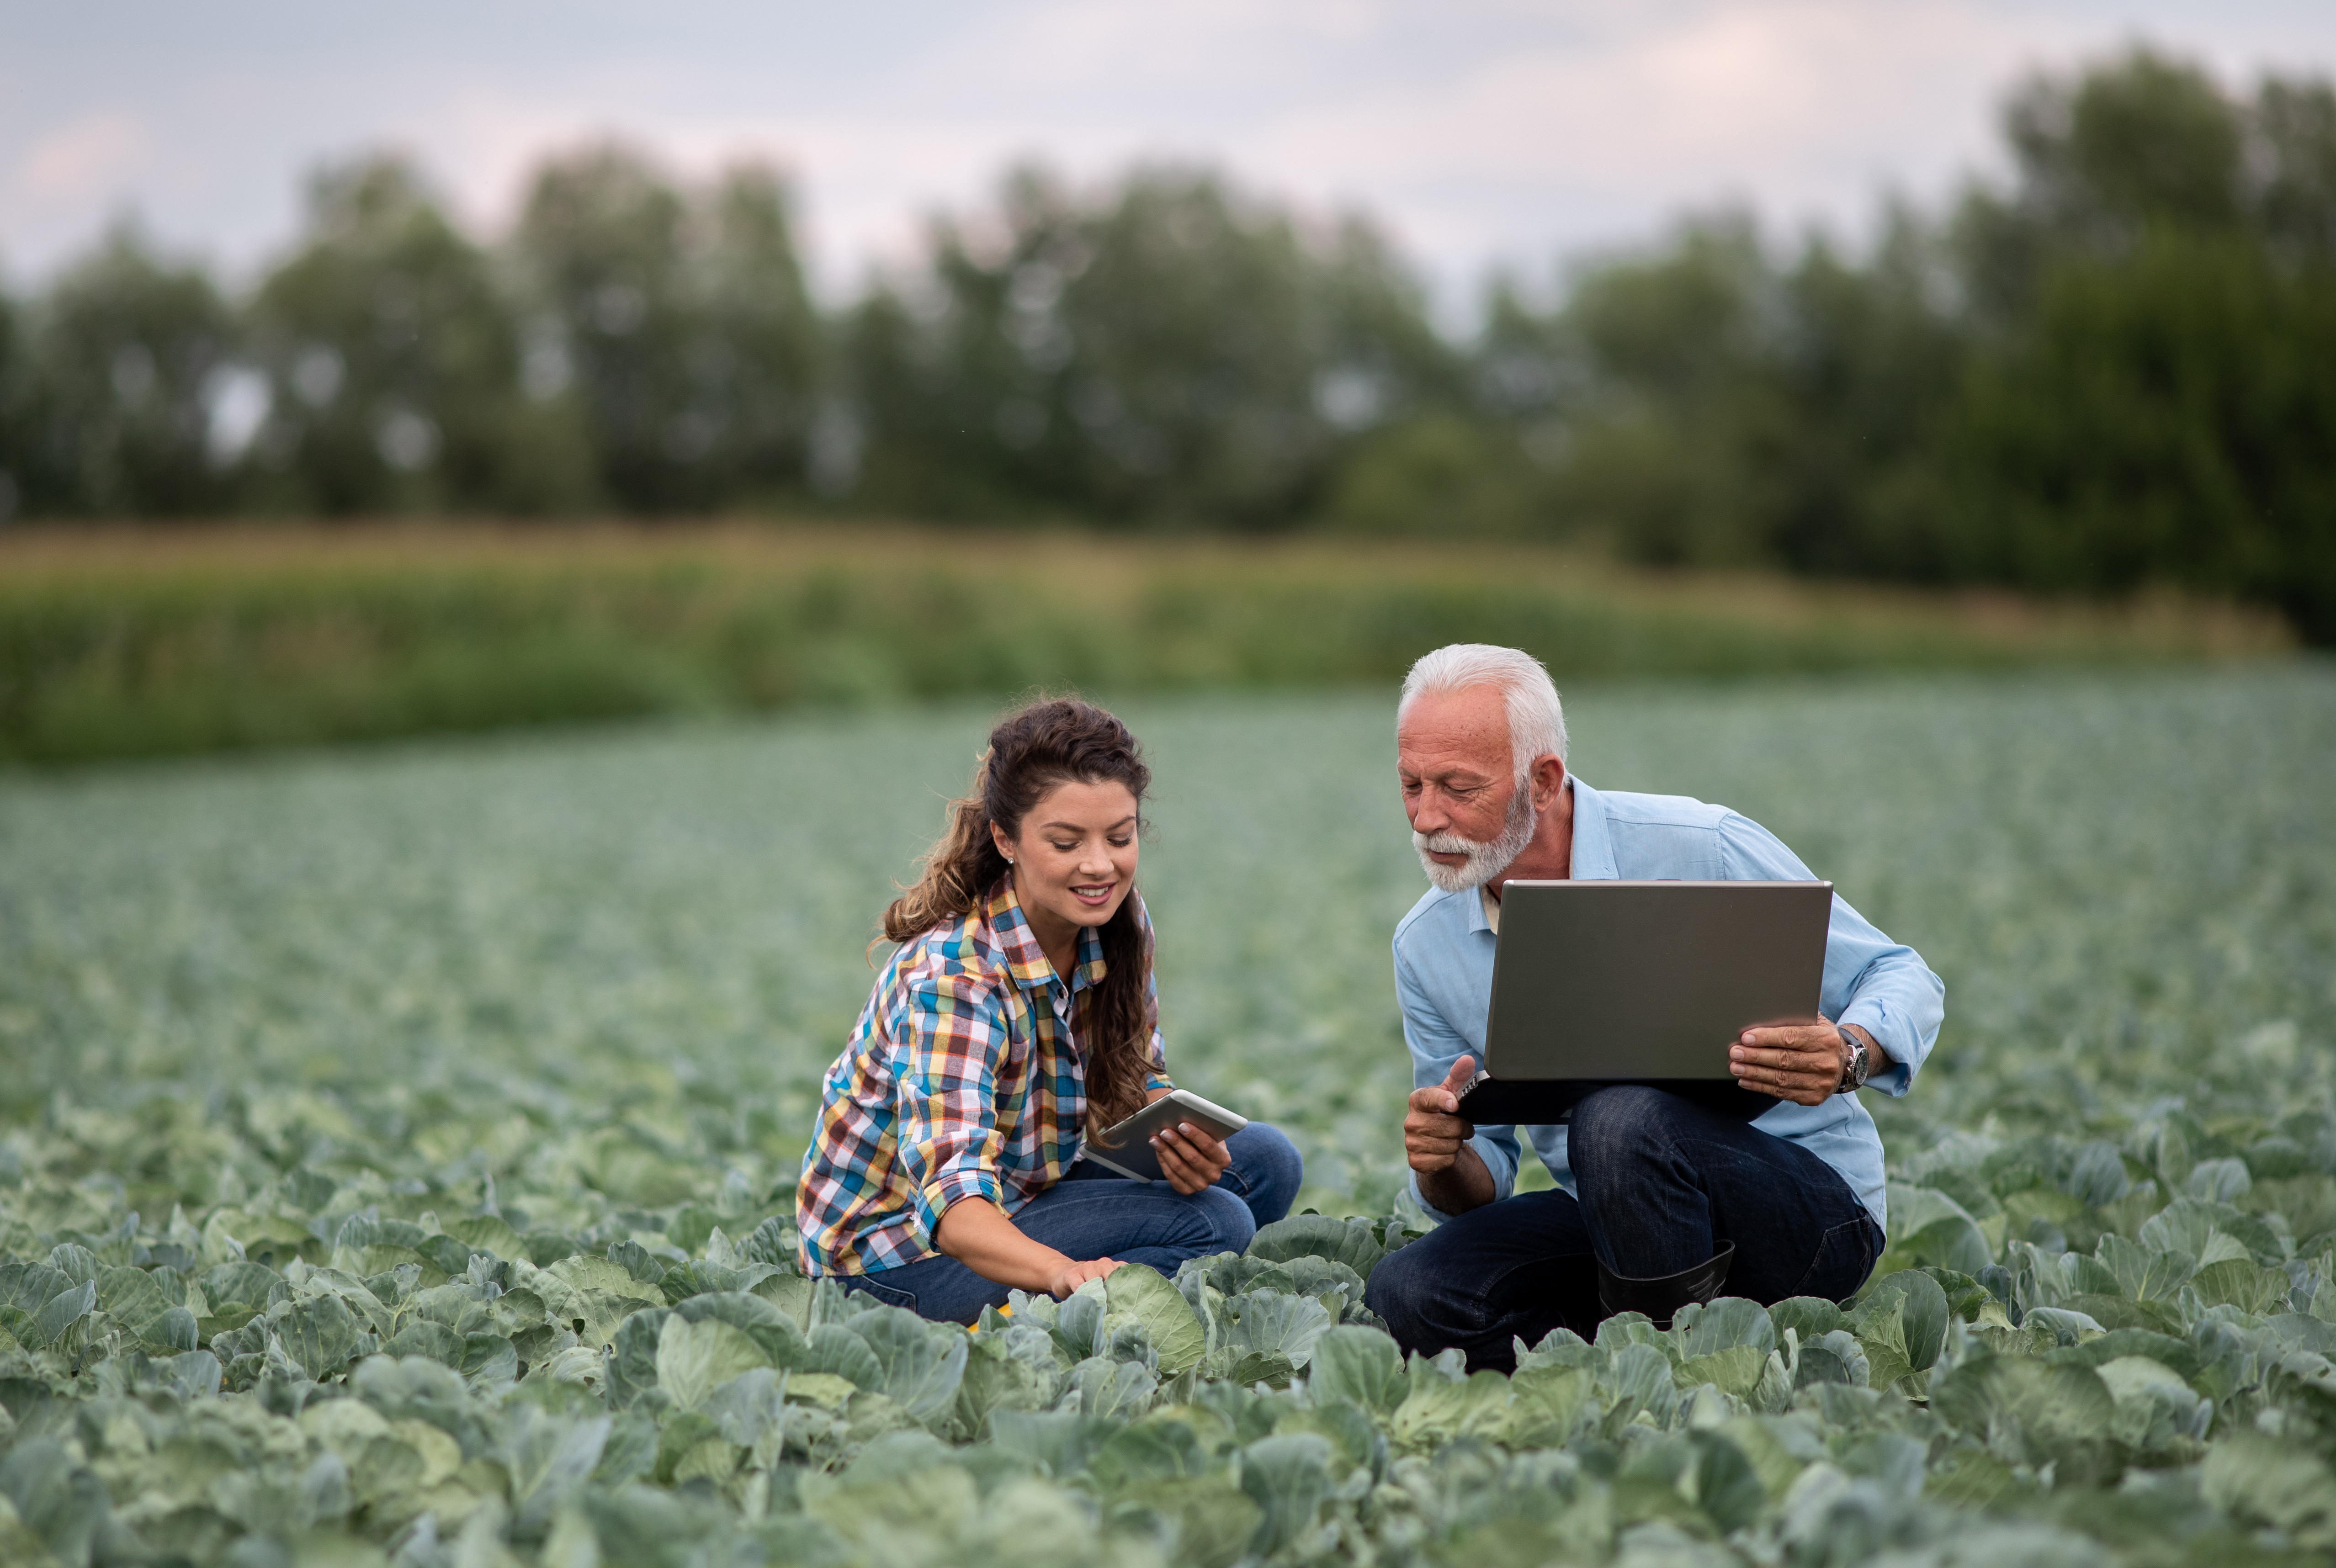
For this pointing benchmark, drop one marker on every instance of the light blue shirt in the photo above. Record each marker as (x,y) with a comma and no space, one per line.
(1444,977)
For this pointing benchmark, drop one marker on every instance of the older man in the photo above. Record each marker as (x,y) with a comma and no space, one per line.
(1658,1202)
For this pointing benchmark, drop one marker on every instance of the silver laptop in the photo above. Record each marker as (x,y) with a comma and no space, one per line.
(1646,982)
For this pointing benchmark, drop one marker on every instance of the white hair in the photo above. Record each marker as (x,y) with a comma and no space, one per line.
(1536,717)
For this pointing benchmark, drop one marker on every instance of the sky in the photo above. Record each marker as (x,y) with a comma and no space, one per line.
(1480,133)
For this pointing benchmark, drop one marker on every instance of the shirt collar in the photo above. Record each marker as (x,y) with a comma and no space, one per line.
(1593,837)
(1026,960)
(1592,855)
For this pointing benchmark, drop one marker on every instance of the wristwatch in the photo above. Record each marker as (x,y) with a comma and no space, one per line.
(1860,1065)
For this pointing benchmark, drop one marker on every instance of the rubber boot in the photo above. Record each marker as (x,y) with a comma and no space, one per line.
(1660,1299)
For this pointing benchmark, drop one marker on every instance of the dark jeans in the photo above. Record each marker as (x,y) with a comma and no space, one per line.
(1661,1182)
(1093,1213)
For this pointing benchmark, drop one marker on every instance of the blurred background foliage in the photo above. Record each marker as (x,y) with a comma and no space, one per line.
(2115,368)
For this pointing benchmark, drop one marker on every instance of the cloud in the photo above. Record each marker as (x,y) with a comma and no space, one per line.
(1476,129)
(84,160)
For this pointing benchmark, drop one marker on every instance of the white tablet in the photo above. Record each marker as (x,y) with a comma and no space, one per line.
(1127,1146)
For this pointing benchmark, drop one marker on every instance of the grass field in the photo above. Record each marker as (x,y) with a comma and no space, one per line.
(447,1019)
(120,645)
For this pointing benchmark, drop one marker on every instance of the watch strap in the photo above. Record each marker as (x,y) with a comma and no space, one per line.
(1858,1068)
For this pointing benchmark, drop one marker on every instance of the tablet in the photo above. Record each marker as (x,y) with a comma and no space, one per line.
(1126,1147)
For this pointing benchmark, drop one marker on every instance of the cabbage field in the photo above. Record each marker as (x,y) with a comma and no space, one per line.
(397,1149)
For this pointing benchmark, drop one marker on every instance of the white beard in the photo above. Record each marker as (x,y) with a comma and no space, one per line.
(1486,861)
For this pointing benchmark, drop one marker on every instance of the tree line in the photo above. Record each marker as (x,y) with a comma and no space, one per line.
(2114,368)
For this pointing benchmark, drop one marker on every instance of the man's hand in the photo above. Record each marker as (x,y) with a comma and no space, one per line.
(1189,1157)
(1071,1275)
(1802,1063)
(1452,1174)
(1433,1131)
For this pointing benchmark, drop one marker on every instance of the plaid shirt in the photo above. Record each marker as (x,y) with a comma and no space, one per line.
(962,1078)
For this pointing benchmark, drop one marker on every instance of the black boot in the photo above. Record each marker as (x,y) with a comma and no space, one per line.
(1660,1299)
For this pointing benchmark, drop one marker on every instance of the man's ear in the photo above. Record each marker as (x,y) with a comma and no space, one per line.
(1548,779)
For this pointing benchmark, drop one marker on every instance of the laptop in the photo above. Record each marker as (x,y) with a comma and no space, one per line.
(1643,982)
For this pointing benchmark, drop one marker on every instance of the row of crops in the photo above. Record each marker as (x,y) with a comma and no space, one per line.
(399,1170)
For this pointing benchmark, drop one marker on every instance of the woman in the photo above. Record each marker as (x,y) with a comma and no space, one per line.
(1017,1018)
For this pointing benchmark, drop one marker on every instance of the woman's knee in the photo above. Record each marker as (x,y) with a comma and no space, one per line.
(1225,1223)
(1266,1171)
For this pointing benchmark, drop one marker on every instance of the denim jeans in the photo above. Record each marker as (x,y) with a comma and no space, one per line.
(1660,1181)
(1093,1213)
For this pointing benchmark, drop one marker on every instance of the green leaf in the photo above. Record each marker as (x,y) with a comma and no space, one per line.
(791,1293)
(1726,1486)
(2118,1312)
(320,1334)
(490,1233)
(589,1295)
(1135,1293)
(2086,1276)
(693,1359)
(1060,1443)
(1902,1322)
(1210,1521)
(490,1362)
(1734,1370)
(1115,1389)
(1270,1324)
(1966,1296)
(249,1283)
(2097,1176)
(918,1364)
(1349,1241)
(2238,1283)
(2282,1485)
(58,1313)
(1360,1365)
(133,1296)
(2143,1273)
(1730,1322)
(424,1338)
(1438,1409)
(632,1356)
(834,1348)
(1289,1477)
(781,1339)
(994,1380)
(2031,1412)
(1546,1404)
(1950,1241)
(1813,1316)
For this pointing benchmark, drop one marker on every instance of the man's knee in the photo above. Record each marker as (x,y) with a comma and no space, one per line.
(1266,1170)
(1616,1126)
(1397,1291)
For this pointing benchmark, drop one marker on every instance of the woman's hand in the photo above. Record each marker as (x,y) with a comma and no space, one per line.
(977,1233)
(1189,1157)
(1073,1274)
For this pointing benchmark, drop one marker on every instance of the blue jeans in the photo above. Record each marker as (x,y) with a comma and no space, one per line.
(1661,1182)
(1093,1213)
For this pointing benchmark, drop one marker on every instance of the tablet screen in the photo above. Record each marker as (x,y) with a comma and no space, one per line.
(1126,1146)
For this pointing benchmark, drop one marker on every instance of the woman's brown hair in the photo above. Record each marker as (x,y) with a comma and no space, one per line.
(1045,742)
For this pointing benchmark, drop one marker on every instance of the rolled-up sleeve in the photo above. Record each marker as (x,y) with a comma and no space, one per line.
(1435,1045)
(1882,986)
(948,1130)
